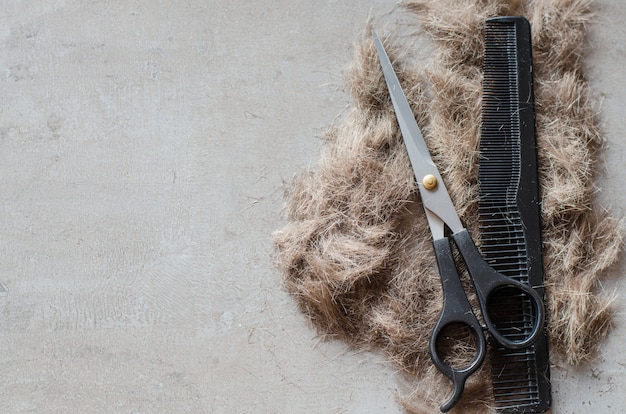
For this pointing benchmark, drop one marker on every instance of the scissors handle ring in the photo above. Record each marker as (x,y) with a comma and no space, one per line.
(456,311)
(488,283)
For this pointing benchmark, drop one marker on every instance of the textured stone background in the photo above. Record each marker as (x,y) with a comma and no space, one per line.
(143,150)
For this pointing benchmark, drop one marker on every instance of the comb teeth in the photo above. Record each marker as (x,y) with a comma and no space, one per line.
(499,171)
(500,123)
(510,229)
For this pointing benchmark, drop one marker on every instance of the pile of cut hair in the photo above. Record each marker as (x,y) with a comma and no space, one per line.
(356,252)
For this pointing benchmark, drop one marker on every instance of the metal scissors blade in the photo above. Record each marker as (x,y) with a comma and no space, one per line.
(437,202)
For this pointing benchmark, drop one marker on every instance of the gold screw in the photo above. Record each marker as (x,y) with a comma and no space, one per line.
(430,182)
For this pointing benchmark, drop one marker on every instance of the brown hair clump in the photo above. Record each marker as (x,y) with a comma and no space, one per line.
(356,251)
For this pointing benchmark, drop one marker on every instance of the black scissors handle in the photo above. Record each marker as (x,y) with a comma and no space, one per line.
(491,285)
(458,311)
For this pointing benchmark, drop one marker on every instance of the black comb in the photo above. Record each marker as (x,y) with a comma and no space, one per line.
(509,208)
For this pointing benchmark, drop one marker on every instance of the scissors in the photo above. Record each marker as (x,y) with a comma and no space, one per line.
(488,284)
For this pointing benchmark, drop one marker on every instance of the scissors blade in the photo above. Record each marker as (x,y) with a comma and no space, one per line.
(413,139)
(437,202)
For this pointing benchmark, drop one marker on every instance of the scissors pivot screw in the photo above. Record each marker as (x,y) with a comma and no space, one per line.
(430,182)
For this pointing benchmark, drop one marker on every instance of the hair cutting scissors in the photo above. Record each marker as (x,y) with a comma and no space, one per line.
(488,284)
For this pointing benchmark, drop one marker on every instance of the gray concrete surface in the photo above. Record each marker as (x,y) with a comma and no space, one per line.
(142,154)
